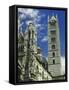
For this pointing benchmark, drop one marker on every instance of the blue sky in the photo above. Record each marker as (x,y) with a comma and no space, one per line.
(40,19)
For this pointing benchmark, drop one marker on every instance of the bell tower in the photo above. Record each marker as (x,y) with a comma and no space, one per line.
(54,63)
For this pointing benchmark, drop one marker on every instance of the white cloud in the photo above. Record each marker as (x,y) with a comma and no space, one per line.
(27,22)
(38,18)
(22,16)
(62,65)
(30,15)
(28,12)
(45,38)
(38,25)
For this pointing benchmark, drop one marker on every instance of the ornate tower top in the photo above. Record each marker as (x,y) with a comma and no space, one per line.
(52,20)
(31,26)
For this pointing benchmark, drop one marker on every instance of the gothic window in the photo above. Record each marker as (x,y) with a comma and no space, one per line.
(53,39)
(53,61)
(53,54)
(53,46)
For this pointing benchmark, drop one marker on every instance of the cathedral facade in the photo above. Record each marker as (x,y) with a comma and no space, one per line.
(32,66)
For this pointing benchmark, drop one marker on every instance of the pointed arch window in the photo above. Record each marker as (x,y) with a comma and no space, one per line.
(53,54)
(53,39)
(53,46)
(53,61)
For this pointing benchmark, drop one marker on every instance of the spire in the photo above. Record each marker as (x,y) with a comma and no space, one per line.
(52,19)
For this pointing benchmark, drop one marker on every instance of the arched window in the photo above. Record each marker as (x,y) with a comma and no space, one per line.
(53,46)
(53,54)
(53,39)
(53,61)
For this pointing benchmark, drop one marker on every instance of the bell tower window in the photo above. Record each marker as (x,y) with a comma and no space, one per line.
(53,39)
(53,61)
(53,54)
(53,46)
